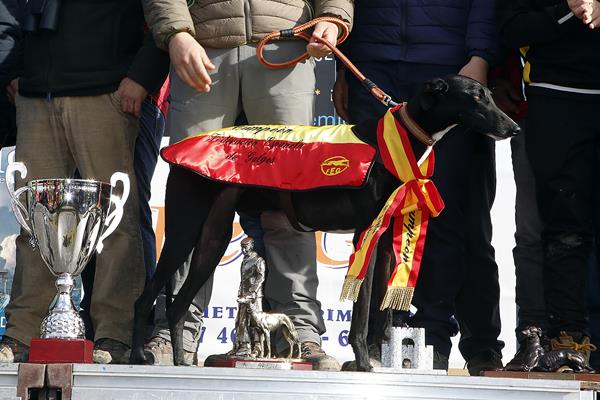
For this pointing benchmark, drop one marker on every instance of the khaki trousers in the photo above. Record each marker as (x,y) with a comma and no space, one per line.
(55,138)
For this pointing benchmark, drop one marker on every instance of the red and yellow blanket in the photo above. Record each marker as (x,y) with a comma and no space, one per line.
(304,158)
(277,156)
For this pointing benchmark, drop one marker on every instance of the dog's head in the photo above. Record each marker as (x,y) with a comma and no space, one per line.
(456,99)
(532,332)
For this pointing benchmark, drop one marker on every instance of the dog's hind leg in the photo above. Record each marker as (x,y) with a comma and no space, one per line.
(359,327)
(180,238)
(209,249)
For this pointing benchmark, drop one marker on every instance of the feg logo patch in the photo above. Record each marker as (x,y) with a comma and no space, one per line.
(334,165)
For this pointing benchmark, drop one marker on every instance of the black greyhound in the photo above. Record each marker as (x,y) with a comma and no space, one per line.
(199,212)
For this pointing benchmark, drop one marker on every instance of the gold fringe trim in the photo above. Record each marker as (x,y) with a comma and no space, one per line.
(398,298)
(350,288)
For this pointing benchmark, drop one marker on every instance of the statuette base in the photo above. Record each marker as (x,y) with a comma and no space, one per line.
(258,363)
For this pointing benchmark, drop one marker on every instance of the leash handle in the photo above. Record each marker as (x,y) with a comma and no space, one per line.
(299,32)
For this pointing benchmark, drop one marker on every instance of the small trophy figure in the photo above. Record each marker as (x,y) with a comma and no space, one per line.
(253,326)
(252,277)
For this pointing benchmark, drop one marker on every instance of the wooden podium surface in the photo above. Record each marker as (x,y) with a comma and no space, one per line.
(588,381)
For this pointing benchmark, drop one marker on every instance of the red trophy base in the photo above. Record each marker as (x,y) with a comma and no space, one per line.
(52,351)
(260,363)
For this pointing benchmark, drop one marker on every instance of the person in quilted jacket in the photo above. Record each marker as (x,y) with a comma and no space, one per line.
(215,77)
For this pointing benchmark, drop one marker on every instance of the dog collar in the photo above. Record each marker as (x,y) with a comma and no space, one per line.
(413,127)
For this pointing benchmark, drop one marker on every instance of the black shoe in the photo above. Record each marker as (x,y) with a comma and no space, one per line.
(485,361)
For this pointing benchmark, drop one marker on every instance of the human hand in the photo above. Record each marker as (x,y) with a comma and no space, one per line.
(505,96)
(190,61)
(340,94)
(582,9)
(12,89)
(326,30)
(476,69)
(594,18)
(132,95)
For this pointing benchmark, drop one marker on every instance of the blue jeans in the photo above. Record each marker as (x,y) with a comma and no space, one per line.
(152,128)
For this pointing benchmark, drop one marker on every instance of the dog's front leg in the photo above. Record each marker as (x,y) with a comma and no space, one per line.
(213,241)
(359,327)
(180,238)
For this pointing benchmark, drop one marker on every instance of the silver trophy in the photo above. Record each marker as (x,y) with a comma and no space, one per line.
(67,220)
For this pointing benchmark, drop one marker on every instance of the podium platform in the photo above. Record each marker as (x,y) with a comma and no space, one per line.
(123,382)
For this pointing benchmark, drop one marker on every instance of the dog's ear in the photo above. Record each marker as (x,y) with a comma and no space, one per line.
(433,89)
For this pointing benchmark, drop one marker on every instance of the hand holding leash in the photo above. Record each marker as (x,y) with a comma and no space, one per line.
(298,32)
(323,30)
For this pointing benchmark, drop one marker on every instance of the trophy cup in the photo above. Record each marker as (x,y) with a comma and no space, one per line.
(67,220)
(253,326)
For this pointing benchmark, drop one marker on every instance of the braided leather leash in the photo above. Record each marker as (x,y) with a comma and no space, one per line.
(299,32)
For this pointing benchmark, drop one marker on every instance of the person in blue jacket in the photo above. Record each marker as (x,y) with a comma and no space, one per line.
(398,44)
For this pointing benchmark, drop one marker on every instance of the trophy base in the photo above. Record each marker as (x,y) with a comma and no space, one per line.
(55,351)
(257,363)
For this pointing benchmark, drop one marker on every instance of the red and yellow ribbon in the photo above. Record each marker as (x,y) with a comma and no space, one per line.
(408,208)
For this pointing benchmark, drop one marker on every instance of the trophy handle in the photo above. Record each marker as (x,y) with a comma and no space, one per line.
(18,208)
(114,218)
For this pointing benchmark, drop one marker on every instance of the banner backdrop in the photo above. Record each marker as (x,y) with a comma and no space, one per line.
(333,251)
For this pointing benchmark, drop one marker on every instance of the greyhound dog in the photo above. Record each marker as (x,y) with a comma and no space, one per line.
(200,212)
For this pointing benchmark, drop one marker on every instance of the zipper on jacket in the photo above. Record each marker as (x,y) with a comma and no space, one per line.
(311,9)
(248,21)
(403,10)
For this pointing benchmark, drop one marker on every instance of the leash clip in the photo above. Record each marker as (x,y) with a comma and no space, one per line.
(387,101)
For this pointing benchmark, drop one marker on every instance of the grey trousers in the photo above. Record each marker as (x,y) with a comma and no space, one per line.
(267,96)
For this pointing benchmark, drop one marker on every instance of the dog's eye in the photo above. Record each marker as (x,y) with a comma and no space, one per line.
(477,98)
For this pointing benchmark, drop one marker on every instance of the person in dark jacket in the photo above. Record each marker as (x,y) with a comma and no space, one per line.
(399,44)
(86,71)
(10,33)
(558,39)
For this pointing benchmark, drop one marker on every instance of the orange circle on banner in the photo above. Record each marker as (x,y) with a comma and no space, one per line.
(334,165)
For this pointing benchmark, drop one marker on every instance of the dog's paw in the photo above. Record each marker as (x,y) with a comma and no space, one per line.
(136,357)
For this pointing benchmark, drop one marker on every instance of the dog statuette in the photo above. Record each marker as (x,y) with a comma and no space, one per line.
(406,352)
(253,326)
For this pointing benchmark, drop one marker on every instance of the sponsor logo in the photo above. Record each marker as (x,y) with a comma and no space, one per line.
(334,165)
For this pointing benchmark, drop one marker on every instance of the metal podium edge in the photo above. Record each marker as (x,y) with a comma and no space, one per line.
(124,382)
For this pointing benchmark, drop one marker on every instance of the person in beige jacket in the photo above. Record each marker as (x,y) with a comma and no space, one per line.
(215,77)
